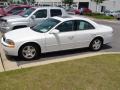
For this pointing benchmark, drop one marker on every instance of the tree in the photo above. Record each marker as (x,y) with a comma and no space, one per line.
(28,1)
(24,1)
(97,3)
(70,2)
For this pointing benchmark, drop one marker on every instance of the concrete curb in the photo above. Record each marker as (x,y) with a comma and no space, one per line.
(65,59)
(1,66)
(9,65)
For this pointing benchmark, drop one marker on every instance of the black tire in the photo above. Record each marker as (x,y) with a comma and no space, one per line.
(31,54)
(118,18)
(96,44)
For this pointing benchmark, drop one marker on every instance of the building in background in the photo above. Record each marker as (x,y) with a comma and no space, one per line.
(111,5)
(77,3)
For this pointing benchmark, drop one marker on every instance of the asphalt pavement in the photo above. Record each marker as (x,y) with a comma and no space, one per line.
(115,45)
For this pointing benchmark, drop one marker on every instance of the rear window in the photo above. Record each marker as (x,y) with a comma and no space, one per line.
(56,12)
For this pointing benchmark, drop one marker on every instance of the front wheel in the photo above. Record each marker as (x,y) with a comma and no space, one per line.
(29,52)
(96,44)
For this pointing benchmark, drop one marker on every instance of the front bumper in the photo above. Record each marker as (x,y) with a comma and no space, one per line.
(4,29)
(8,50)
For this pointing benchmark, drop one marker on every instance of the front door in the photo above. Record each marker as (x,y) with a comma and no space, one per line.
(66,35)
(39,16)
(63,40)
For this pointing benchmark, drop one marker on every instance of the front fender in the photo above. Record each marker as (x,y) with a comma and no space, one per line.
(13,24)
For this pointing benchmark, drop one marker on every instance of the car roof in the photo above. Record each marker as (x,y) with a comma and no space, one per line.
(47,7)
(14,5)
(74,17)
(70,17)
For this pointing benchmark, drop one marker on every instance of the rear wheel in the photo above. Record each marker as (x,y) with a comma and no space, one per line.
(29,51)
(96,44)
(118,18)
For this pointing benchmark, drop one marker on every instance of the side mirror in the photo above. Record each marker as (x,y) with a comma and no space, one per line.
(33,16)
(55,31)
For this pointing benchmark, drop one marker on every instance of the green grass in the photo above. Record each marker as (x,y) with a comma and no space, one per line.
(94,73)
(100,16)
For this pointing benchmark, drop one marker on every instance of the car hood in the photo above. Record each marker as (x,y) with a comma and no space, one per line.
(14,18)
(23,34)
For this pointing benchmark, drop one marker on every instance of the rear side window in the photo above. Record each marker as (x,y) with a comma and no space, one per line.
(83,25)
(55,12)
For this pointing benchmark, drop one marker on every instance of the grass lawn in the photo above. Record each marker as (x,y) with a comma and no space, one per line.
(100,16)
(94,73)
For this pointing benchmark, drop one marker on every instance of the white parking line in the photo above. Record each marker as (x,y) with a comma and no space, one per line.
(1,65)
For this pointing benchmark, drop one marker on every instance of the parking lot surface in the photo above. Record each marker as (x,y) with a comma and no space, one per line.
(9,63)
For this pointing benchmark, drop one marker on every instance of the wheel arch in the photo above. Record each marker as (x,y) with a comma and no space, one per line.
(33,43)
(98,37)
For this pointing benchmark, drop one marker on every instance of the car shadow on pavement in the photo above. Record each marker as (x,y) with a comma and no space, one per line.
(52,55)
(55,55)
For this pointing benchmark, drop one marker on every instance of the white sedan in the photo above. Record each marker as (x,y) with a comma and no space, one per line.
(55,34)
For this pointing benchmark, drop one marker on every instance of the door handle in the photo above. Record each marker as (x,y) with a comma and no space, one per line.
(71,37)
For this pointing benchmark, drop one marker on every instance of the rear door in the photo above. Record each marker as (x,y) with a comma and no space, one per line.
(84,33)
(55,12)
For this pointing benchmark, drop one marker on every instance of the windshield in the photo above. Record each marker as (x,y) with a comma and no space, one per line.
(28,12)
(7,9)
(46,25)
(16,13)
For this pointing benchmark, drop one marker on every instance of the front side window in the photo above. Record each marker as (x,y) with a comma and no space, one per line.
(41,14)
(28,12)
(45,25)
(19,11)
(55,12)
(83,25)
(66,26)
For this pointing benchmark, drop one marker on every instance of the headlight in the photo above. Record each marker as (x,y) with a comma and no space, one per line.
(10,43)
(4,24)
